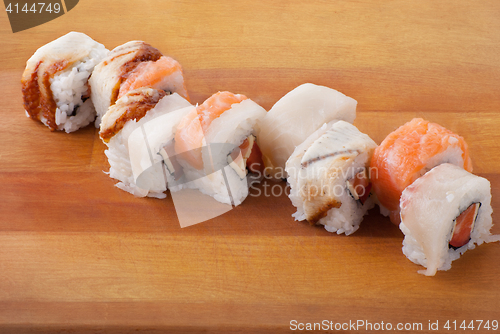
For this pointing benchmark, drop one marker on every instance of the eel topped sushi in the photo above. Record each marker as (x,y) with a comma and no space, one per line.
(443,214)
(55,82)
(329,177)
(295,117)
(136,108)
(408,153)
(151,150)
(133,65)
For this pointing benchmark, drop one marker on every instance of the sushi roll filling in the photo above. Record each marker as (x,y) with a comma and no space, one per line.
(463,226)
(243,159)
(359,187)
(250,159)
(170,161)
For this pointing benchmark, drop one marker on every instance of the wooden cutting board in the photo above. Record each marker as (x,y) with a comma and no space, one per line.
(79,255)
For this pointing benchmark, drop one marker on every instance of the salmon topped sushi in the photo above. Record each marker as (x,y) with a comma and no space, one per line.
(191,133)
(217,134)
(130,66)
(408,153)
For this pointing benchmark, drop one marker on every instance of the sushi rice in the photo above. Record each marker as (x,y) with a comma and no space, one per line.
(68,88)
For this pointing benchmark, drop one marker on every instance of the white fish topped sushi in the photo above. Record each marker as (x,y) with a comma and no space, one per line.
(295,117)
(54,83)
(329,177)
(443,214)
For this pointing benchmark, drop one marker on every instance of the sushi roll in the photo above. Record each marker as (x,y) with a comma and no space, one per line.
(295,117)
(329,177)
(215,144)
(133,65)
(443,214)
(151,150)
(55,82)
(408,153)
(131,112)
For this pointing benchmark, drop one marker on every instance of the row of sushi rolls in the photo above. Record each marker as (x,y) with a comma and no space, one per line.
(420,175)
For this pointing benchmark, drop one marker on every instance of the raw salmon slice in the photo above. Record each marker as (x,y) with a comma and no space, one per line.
(165,74)
(408,153)
(191,129)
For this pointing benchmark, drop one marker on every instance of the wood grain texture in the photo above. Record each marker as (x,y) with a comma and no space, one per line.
(79,255)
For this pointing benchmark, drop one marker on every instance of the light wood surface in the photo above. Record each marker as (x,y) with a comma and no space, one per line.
(79,255)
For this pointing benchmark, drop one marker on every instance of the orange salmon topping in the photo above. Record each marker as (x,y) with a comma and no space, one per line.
(404,155)
(191,129)
(157,74)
